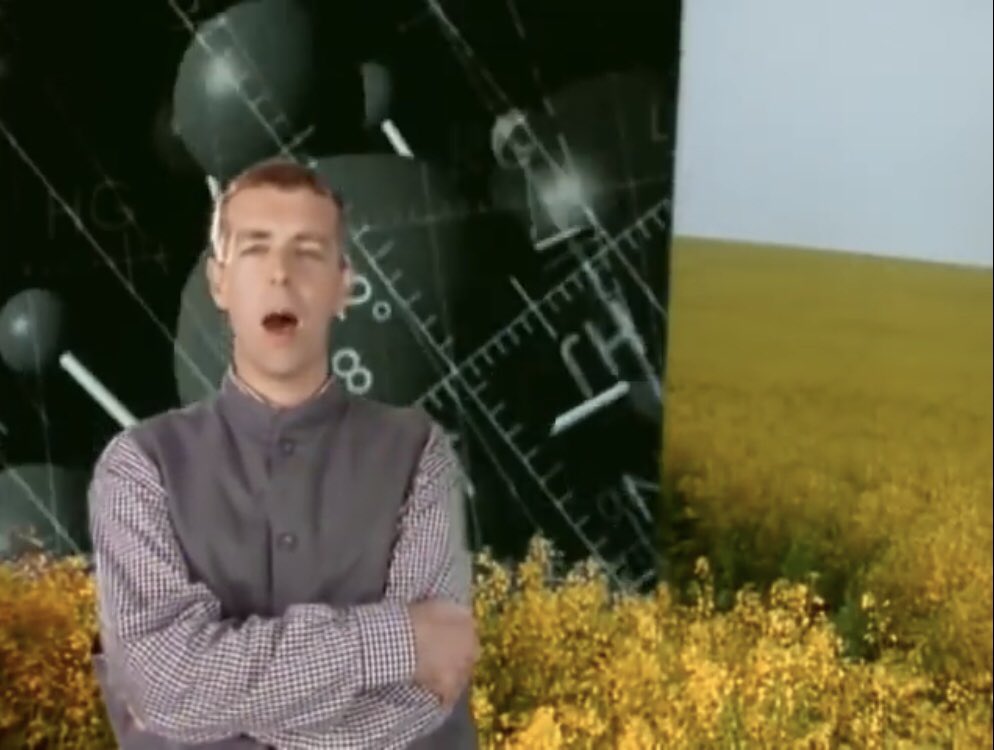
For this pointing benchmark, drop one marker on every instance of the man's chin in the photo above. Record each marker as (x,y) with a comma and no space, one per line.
(288,369)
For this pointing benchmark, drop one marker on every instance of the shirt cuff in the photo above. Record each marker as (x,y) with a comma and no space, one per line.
(387,642)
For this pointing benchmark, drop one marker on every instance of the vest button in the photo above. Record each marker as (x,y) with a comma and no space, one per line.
(287,541)
(286,446)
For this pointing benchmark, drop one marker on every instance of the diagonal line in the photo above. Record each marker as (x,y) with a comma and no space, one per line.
(61,530)
(465,54)
(91,240)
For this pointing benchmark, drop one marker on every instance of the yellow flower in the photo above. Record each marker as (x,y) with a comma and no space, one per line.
(567,664)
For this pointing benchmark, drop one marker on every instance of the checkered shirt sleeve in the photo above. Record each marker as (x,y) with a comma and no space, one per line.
(314,679)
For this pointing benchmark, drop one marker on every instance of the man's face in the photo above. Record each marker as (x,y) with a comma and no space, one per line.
(281,277)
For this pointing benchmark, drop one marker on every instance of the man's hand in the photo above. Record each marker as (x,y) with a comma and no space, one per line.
(446,645)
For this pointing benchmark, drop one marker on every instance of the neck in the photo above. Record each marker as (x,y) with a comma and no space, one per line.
(283,392)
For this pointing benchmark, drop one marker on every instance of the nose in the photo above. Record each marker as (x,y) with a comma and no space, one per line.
(279,272)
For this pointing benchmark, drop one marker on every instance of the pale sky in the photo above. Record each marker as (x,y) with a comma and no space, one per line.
(860,125)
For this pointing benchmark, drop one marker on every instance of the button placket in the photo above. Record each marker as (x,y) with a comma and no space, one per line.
(286,446)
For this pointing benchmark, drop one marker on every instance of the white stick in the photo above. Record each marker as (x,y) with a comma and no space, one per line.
(569,418)
(213,187)
(546,243)
(86,380)
(396,139)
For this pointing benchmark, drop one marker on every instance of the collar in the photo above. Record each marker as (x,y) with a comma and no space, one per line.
(239,383)
(251,412)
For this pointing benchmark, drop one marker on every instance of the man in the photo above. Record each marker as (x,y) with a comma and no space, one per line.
(282,565)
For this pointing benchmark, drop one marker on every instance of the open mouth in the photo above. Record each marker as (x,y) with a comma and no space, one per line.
(280,322)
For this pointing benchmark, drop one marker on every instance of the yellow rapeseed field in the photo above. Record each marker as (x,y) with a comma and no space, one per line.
(833,412)
(564,665)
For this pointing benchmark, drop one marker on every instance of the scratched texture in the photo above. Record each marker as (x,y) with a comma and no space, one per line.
(508,169)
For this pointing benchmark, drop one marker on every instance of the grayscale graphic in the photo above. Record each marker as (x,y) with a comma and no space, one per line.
(507,173)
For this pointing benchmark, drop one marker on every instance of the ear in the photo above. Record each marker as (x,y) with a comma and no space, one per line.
(215,282)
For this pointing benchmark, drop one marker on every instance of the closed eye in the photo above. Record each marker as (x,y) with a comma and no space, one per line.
(314,253)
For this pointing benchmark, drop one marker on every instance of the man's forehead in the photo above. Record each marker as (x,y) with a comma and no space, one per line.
(267,203)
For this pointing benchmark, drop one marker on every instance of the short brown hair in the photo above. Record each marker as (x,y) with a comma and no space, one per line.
(278,172)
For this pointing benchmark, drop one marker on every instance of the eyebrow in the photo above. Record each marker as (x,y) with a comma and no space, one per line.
(311,237)
(252,234)
(262,234)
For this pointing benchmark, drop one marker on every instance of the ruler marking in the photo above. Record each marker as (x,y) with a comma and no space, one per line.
(535,308)
(561,289)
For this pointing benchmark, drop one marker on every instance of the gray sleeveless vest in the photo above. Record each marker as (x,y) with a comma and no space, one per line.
(263,537)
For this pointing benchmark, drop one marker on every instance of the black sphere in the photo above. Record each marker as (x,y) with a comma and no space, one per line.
(243,85)
(168,146)
(202,345)
(31,330)
(593,168)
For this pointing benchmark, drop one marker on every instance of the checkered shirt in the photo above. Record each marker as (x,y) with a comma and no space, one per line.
(315,678)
